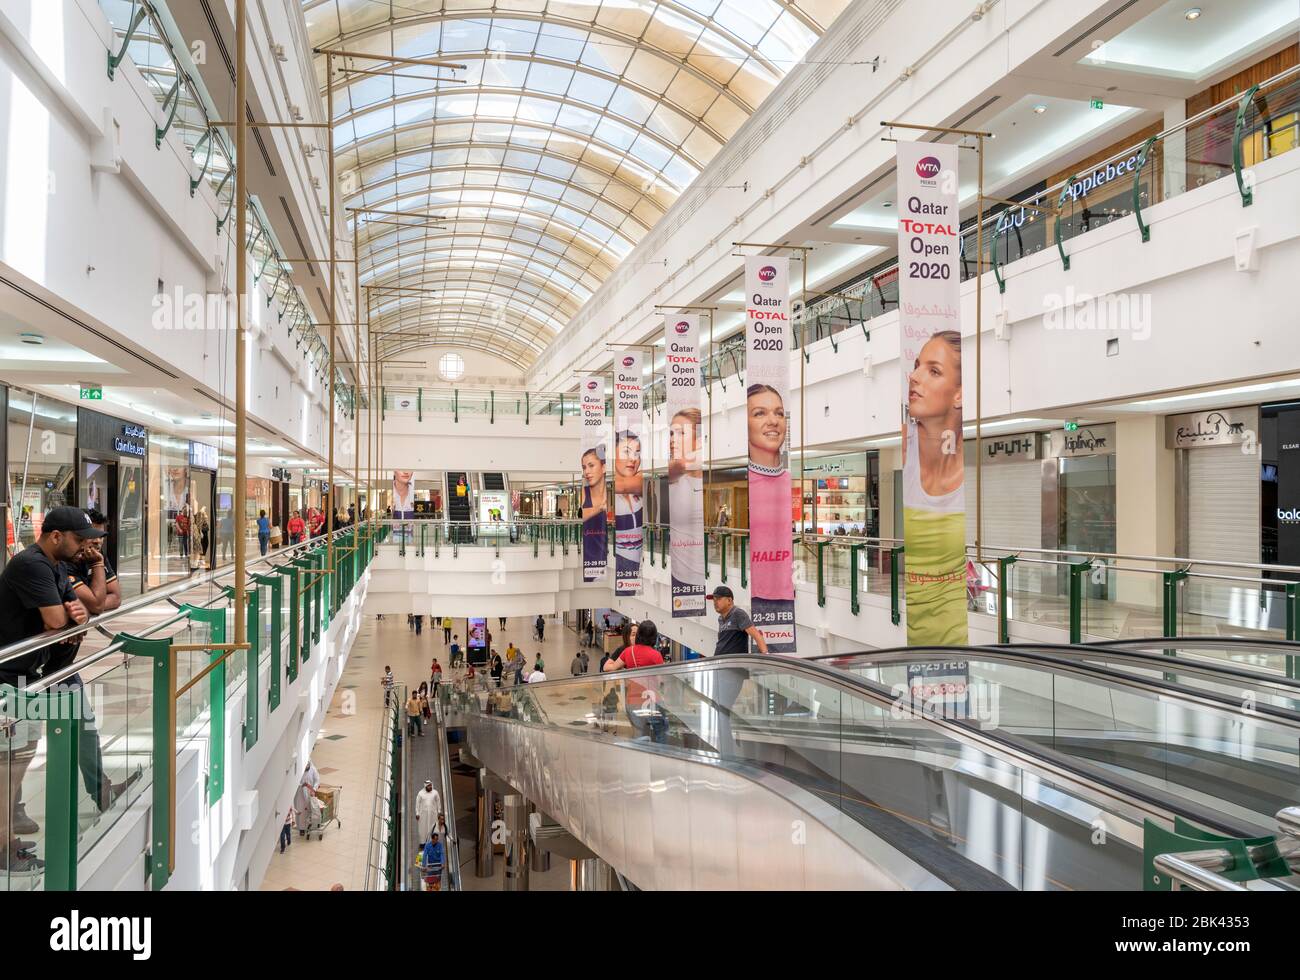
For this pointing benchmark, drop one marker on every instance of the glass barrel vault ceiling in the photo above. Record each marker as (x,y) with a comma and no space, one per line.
(573,128)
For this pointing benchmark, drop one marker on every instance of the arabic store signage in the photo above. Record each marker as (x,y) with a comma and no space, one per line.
(1087,440)
(1005,449)
(1221,427)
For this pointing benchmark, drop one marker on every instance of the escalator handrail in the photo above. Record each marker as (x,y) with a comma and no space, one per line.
(1290,648)
(1150,802)
(1034,654)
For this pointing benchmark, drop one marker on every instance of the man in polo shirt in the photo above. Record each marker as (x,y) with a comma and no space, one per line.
(735,628)
(35,598)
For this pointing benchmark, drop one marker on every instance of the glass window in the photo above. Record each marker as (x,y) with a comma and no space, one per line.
(42,442)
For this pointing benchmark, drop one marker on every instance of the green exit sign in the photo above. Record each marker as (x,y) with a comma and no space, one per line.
(1071,426)
(1098,104)
(92,393)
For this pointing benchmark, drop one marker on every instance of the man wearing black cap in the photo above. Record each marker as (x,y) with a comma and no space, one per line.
(735,628)
(35,597)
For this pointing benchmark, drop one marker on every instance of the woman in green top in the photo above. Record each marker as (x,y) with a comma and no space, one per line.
(934,501)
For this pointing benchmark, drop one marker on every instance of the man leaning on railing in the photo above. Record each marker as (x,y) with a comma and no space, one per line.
(36,596)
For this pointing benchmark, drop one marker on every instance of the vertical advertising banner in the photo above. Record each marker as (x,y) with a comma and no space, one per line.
(595,520)
(934,501)
(629,483)
(767,371)
(685,463)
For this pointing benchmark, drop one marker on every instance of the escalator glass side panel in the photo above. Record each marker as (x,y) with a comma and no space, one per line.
(975,819)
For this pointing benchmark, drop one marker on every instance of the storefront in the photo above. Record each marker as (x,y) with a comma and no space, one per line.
(845,493)
(201,496)
(1082,462)
(1217,484)
(1012,478)
(41,454)
(726,498)
(1280,486)
(111,478)
(281,481)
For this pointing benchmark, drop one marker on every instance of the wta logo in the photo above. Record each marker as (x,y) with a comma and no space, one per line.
(767,273)
(683,327)
(592,385)
(928,167)
(629,361)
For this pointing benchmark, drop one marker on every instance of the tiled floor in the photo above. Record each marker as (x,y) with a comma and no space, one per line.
(347,752)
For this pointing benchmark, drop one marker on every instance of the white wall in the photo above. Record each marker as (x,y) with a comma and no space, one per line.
(93,216)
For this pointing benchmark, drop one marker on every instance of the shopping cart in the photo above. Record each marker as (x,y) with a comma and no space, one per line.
(327,812)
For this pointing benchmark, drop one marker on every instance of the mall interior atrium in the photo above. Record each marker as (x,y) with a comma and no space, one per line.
(649,445)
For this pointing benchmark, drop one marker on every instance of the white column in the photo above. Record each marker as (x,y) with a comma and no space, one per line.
(1144,505)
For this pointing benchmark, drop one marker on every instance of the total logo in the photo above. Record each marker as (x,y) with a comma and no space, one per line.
(928,167)
(592,385)
(767,273)
(683,327)
(1291,516)
(629,361)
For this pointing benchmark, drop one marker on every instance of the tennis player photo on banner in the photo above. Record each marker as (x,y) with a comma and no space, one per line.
(595,517)
(685,463)
(929,304)
(767,369)
(629,483)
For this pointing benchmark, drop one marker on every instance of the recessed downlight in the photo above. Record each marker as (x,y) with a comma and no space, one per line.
(1192,13)
(34,339)
(1040,108)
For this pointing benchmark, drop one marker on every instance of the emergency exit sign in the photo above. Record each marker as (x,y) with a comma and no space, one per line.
(1098,104)
(1071,426)
(92,393)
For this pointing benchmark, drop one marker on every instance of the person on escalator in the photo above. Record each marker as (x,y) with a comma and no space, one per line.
(735,630)
(641,701)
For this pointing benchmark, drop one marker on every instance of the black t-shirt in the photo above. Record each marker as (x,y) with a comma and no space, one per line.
(732,637)
(80,571)
(29,582)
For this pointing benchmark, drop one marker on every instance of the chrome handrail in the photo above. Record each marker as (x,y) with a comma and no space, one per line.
(143,601)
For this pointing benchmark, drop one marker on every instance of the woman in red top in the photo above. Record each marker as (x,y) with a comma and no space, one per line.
(642,700)
(295,528)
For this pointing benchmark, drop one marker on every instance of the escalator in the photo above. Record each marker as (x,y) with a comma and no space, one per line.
(1058,793)
(460,508)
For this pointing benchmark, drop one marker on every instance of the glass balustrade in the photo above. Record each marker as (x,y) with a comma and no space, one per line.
(80,746)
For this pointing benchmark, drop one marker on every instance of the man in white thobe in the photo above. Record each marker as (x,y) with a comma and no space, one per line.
(428,804)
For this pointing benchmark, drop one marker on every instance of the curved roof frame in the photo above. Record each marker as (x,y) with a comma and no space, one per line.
(529,195)
(547,220)
(621,111)
(492,12)
(572,270)
(541,301)
(609,77)
(460,299)
(530,282)
(493,231)
(546,152)
(611,150)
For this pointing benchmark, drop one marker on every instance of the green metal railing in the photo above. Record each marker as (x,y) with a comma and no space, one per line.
(183,671)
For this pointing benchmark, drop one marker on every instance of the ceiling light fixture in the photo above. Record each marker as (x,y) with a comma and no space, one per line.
(32,338)
(1192,14)
(1040,108)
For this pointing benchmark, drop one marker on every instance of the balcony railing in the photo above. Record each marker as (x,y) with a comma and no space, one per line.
(1224,141)
(150,680)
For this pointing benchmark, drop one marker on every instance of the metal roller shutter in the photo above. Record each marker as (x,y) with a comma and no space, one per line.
(1222,504)
(1222,523)
(1013,507)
